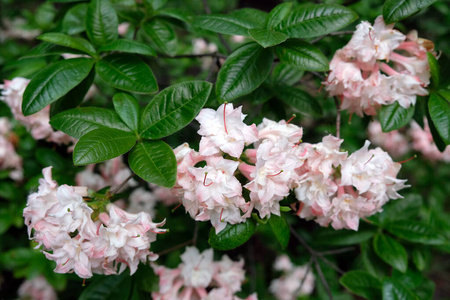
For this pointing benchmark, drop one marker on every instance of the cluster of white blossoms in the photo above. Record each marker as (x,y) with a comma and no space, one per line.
(295,281)
(199,277)
(367,73)
(38,123)
(9,159)
(83,240)
(330,185)
(398,143)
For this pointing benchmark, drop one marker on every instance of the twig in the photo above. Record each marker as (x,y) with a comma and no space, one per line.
(308,267)
(345,32)
(322,278)
(338,117)
(320,76)
(117,189)
(337,251)
(221,38)
(194,238)
(176,247)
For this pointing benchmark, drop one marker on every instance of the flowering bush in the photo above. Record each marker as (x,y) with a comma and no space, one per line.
(207,150)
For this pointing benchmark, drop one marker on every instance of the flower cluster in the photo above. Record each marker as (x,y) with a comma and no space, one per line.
(356,70)
(61,220)
(38,123)
(398,142)
(331,186)
(199,277)
(295,281)
(9,159)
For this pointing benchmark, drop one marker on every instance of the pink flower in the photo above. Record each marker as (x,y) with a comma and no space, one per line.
(230,274)
(142,200)
(423,142)
(37,289)
(224,130)
(38,123)
(394,142)
(295,281)
(9,159)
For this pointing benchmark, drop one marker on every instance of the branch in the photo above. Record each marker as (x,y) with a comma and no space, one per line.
(338,117)
(322,278)
(176,247)
(122,184)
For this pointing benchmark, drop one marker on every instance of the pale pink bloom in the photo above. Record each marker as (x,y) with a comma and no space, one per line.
(423,142)
(198,274)
(325,156)
(38,123)
(346,210)
(283,263)
(142,200)
(238,38)
(9,159)
(273,176)
(224,130)
(167,196)
(37,289)
(295,282)
(370,43)
(129,236)
(88,178)
(230,274)
(372,171)
(201,46)
(217,192)
(275,132)
(394,142)
(123,28)
(197,269)
(17,29)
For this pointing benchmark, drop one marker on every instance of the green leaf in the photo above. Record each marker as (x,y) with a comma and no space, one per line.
(439,110)
(302,55)
(102,144)
(232,236)
(281,230)
(226,24)
(416,232)
(343,237)
(79,121)
(68,41)
(127,107)
(440,144)
(394,116)
(101,22)
(108,287)
(278,13)
(391,251)
(243,71)
(421,258)
(53,82)
(267,38)
(284,74)
(155,162)
(395,290)
(129,46)
(74,20)
(48,157)
(309,21)
(396,10)
(127,72)
(434,69)
(371,262)
(74,97)
(300,100)
(46,49)
(256,18)
(162,35)
(174,108)
(401,209)
(362,283)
